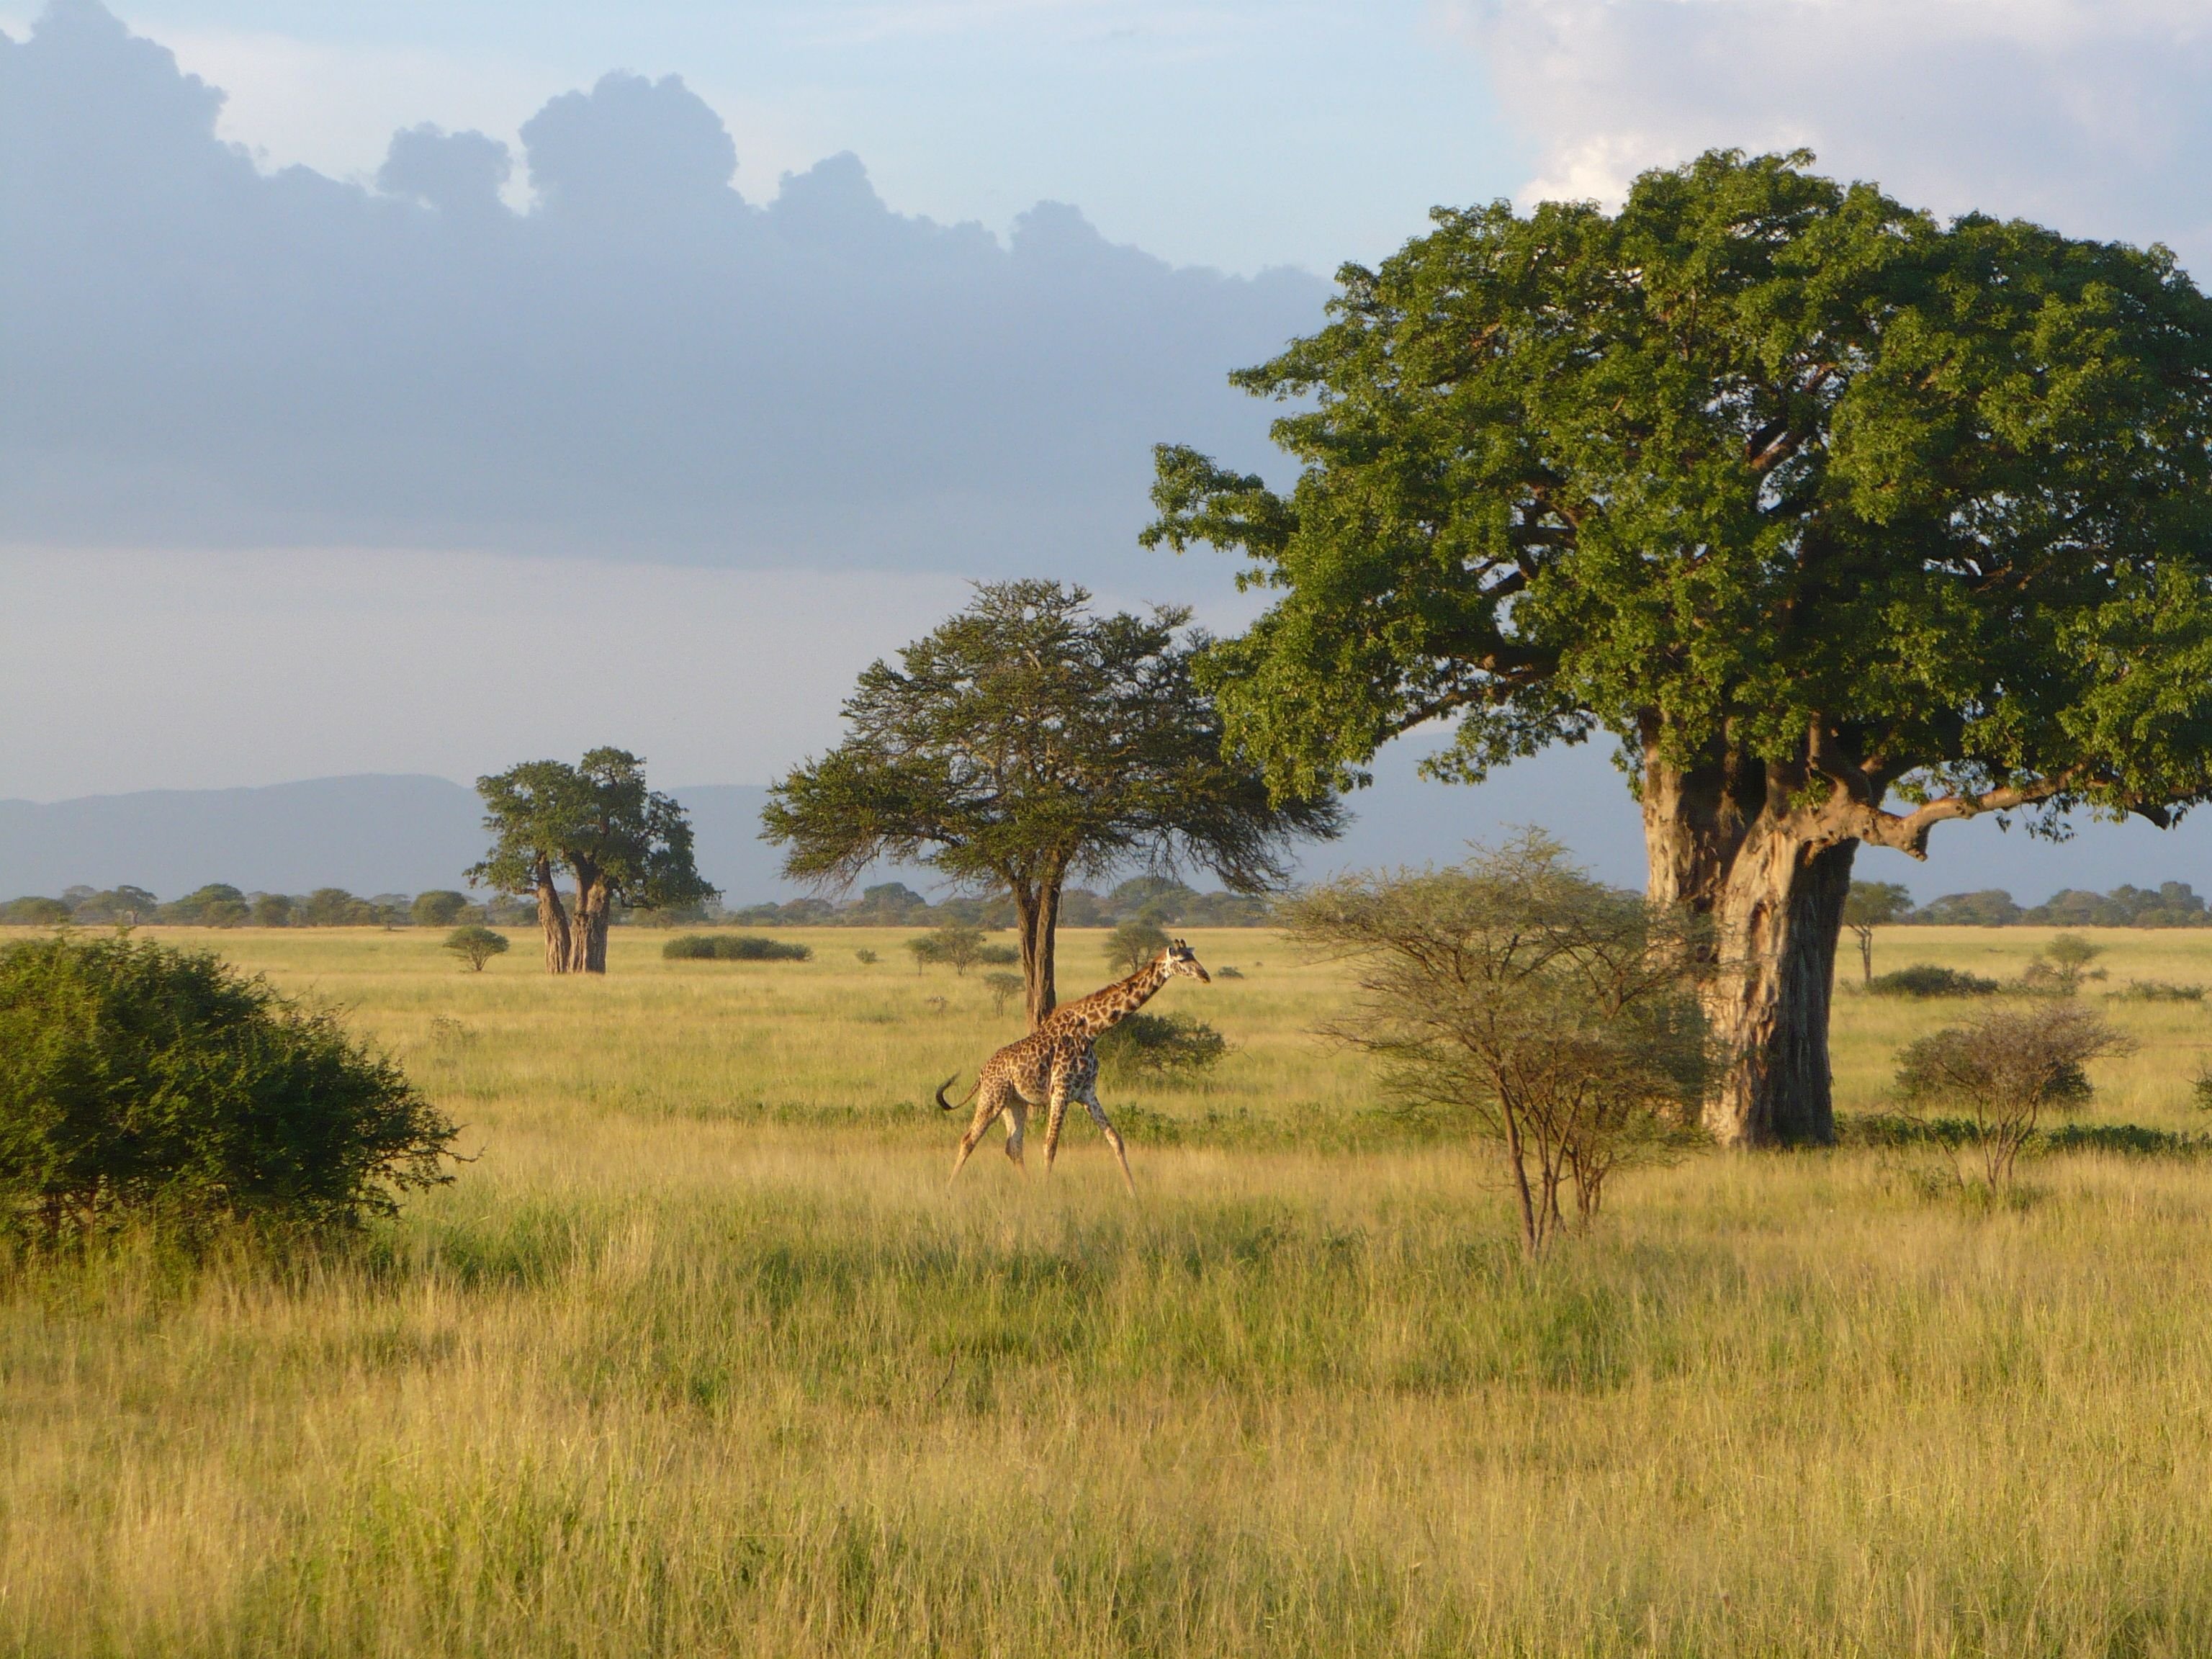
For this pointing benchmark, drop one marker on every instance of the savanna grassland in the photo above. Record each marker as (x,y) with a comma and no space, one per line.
(700,1356)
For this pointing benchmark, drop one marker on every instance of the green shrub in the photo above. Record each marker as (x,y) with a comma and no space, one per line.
(476,945)
(1004,988)
(2158,990)
(142,1083)
(1134,944)
(1925,980)
(1156,1047)
(33,913)
(733,947)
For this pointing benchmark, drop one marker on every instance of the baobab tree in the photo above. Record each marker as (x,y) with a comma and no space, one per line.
(620,841)
(1843,523)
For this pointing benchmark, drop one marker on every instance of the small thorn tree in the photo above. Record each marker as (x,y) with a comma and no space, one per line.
(1870,905)
(1028,740)
(621,842)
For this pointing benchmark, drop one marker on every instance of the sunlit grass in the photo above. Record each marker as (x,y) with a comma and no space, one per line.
(702,1357)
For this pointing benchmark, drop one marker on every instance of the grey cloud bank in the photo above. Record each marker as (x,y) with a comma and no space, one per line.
(645,365)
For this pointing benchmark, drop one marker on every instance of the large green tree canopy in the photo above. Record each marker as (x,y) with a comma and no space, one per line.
(1843,521)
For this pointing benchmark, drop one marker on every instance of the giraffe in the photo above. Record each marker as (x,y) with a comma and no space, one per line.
(1056,1063)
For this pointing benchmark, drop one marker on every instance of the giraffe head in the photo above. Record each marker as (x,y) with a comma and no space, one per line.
(1181,959)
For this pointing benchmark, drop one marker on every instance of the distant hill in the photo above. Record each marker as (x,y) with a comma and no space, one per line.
(403,834)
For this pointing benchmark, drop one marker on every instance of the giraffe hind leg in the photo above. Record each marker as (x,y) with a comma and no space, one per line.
(1018,1122)
(990,1101)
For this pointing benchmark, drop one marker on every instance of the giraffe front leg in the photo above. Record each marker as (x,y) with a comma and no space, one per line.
(1113,1137)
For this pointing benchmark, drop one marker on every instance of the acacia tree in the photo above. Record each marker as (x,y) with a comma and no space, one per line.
(1554,1013)
(1870,905)
(1843,523)
(1027,741)
(621,842)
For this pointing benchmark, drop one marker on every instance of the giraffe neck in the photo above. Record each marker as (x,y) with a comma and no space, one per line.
(1101,1010)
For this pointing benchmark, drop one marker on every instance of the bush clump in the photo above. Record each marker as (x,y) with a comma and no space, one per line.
(143,1084)
(476,946)
(2157,990)
(733,947)
(1157,1047)
(1925,980)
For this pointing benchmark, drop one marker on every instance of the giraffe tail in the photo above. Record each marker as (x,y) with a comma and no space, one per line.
(944,1105)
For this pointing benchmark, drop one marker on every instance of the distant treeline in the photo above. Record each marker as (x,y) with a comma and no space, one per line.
(220,905)
(2171,904)
(1158,899)
(1166,902)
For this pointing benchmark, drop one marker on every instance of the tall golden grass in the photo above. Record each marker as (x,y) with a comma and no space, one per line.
(702,1356)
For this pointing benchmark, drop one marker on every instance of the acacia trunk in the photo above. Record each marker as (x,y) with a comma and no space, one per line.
(1036,910)
(1727,840)
(552,920)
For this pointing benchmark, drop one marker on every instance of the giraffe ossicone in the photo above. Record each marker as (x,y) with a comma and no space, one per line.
(1058,1062)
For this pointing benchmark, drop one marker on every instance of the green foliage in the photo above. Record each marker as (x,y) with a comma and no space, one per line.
(2007,1067)
(598,818)
(2171,904)
(622,843)
(33,912)
(334,907)
(1870,905)
(1924,980)
(440,907)
(1552,1012)
(126,904)
(216,905)
(1574,469)
(1992,906)
(1876,904)
(272,910)
(956,945)
(866,958)
(1157,1047)
(1026,741)
(1134,944)
(733,947)
(141,1082)
(2158,990)
(476,945)
(1002,988)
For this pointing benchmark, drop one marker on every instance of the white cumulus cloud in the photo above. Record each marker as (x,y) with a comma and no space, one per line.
(2093,116)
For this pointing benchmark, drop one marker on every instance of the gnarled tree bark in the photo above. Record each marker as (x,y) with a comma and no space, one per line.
(552,917)
(1765,849)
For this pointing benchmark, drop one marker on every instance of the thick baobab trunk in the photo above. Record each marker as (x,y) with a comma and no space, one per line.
(552,919)
(1779,920)
(588,934)
(1727,840)
(1036,911)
